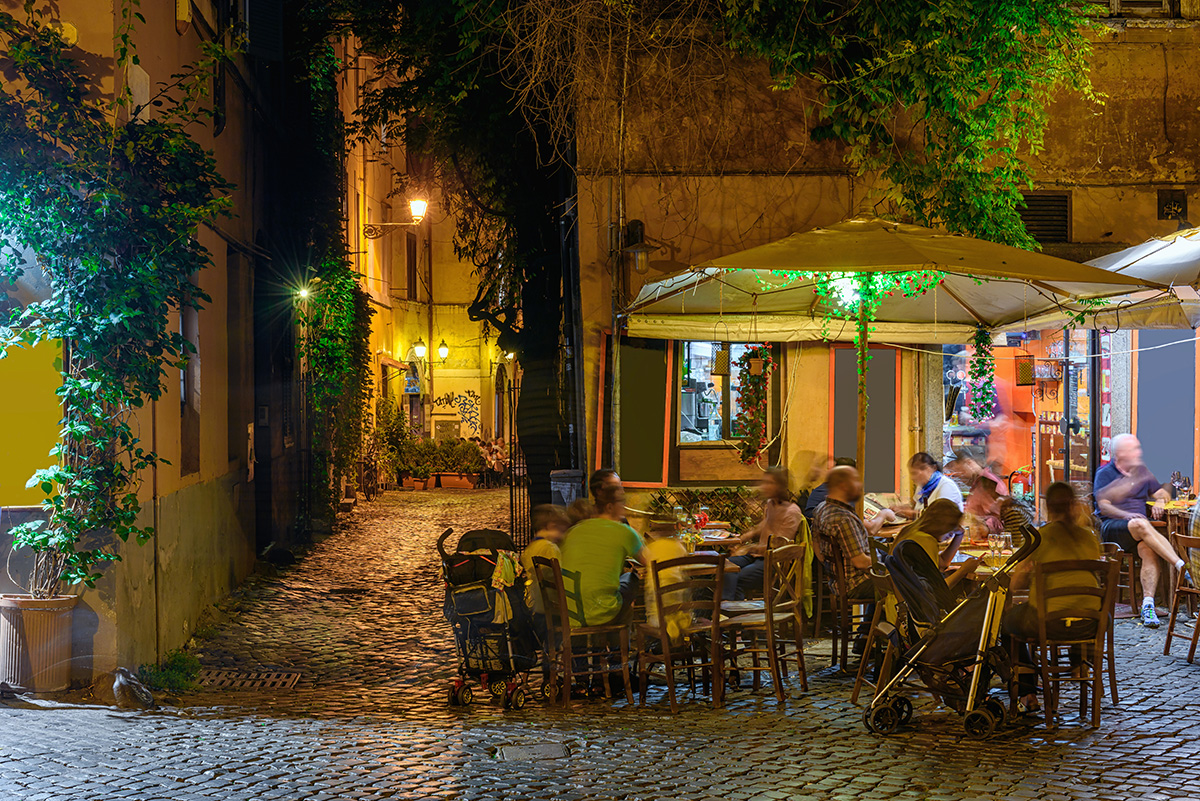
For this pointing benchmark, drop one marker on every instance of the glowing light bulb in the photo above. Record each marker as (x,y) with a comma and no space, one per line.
(443,350)
(303,292)
(418,208)
(419,348)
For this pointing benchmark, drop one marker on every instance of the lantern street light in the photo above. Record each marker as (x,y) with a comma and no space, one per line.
(419,348)
(443,350)
(416,207)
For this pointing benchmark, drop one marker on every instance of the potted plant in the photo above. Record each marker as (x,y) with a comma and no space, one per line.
(463,464)
(419,462)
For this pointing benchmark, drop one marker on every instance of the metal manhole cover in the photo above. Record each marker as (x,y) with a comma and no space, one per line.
(525,753)
(241,680)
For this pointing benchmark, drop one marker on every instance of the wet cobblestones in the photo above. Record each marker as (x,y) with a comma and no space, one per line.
(360,617)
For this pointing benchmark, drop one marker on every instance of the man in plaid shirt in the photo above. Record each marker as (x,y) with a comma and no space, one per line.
(837,521)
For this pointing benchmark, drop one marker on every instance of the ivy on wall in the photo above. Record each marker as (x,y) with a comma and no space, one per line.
(100,200)
(755,367)
(981,376)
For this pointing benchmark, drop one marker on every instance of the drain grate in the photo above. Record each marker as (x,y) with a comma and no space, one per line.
(527,753)
(240,680)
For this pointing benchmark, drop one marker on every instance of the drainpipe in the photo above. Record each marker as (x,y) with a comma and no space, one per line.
(154,509)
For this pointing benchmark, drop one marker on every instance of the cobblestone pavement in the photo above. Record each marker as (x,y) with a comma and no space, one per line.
(360,617)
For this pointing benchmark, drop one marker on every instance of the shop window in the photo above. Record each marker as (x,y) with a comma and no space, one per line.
(708,398)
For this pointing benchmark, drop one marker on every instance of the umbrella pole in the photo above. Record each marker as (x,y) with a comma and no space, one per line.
(861,455)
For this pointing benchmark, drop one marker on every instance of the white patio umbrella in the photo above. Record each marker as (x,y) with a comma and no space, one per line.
(1172,261)
(763,293)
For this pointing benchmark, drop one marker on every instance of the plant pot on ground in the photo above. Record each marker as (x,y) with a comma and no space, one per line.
(458,480)
(35,641)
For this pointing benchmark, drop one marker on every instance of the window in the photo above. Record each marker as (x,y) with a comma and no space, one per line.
(189,394)
(1047,216)
(708,399)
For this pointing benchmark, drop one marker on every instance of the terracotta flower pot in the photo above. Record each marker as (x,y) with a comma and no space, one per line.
(415,483)
(458,480)
(35,641)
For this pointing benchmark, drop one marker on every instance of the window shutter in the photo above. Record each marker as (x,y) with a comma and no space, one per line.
(1047,216)
(264,29)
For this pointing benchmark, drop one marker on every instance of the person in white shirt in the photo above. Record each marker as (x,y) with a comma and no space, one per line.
(929,485)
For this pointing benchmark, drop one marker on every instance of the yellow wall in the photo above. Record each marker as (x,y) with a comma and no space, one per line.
(30,409)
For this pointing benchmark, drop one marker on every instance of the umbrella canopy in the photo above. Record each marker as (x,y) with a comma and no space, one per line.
(761,294)
(1172,260)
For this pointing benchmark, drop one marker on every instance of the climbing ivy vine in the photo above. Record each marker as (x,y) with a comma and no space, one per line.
(755,367)
(981,376)
(100,201)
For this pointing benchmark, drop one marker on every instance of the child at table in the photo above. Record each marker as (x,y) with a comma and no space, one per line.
(550,524)
(663,544)
(938,521)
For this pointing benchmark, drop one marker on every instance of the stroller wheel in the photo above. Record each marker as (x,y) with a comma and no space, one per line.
(549,690)
(452,695)
(979,724)
(881,719)
(496,688)
(516,699)
(904,709)
(465,695)
(998,709)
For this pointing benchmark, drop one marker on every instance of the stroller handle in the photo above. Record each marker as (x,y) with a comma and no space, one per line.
(441,542)
(1033,538)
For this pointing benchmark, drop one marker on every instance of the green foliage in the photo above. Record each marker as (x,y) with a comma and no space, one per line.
(753,400)
(102,201)
(942,98)
(424,459)
(393,439)
(981,376)
(335,321)
(740,506)
(177,673)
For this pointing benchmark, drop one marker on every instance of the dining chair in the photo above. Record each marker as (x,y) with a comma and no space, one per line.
(1087,647)
(564,616)
(763,635)
(845,617)
(1128,578)
(684,632)
(1188,549)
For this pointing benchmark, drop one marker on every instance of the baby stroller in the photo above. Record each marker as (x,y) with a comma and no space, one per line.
(955,648)
(493,629)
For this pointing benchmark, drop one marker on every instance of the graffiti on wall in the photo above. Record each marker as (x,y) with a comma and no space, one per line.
(466,404)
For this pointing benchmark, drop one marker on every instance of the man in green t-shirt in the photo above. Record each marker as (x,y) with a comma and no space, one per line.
(595,551)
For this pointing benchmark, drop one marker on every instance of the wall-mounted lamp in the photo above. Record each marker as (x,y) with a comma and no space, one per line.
(419,348)
(636,247)
(303,293)
(510,356)
(416,207)
(443,350)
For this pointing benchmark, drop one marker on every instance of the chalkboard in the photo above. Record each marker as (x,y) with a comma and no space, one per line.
(642,403)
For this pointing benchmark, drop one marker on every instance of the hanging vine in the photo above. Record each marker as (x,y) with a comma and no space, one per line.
(755,367)
(981,376)
(100,201)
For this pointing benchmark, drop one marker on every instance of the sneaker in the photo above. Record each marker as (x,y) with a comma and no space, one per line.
(1150,617)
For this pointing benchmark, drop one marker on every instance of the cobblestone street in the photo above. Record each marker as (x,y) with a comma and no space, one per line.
(360,617)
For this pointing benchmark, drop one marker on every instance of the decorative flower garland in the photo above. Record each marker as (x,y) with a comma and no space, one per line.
(981,376)
(754,378)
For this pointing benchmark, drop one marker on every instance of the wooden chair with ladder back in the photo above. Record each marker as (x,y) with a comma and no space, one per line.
(782,609)
(564,614)
(1188,549)
(685,625)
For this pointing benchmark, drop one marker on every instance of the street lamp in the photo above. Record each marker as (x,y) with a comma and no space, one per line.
(416,207)
(443,350)
(419,348)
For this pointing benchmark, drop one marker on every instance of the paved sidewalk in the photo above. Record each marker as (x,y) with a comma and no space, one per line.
(360,618)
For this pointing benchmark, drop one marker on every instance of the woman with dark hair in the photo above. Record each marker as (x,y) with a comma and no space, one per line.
(781,517)
(937,524)
(929,485)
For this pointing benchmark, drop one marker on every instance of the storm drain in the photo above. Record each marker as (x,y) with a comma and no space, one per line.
(526,753)
(240,680)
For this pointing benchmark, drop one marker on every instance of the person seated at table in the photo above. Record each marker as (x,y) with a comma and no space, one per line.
(662,544)
(816,496)
(1122,489)
(596,549)
(1063,538)
(581,509)
(929,484)
(781,517)
(549,524)
(837,521)
(938,524)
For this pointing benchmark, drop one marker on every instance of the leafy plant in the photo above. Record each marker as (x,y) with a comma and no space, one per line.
(981,374)
(393,437)
(177,673)
(101,200)
(468,458)
(755,367)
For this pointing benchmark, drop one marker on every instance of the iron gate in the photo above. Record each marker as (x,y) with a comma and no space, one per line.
(518,475)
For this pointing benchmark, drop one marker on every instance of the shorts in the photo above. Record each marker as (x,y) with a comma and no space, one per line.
(1117,531)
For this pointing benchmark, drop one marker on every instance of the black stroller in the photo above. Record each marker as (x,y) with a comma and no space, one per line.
(955,648)
(493,629)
